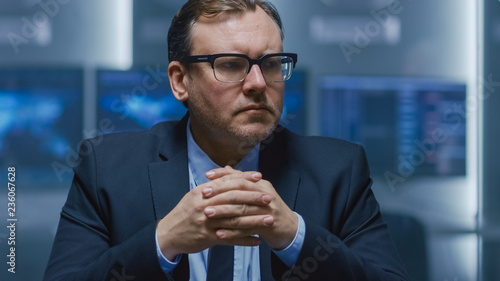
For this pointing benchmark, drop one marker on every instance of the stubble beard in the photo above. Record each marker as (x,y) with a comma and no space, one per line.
(234,135)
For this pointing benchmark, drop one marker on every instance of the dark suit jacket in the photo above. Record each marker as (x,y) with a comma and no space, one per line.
(124,183)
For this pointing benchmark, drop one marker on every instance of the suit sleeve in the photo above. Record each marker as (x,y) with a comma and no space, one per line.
(363,250)
(83,250)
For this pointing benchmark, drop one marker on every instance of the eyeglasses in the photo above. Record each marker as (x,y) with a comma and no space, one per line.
(235,67)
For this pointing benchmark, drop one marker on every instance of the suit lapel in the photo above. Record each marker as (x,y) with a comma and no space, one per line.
(273,164)
(169,179)
(169,176)
(169,183)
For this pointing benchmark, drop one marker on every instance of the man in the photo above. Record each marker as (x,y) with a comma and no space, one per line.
(226,193)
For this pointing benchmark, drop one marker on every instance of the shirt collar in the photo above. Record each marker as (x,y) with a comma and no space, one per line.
(199,162)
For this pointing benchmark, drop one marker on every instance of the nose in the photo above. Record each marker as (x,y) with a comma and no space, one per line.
(254,83)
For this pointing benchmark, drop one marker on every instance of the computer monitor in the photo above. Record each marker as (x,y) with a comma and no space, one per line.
(41,123)
(137,99)
(411,125)
(294,109)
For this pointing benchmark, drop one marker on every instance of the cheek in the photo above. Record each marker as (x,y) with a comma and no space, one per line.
(222,94)
(277,96)
(216,97)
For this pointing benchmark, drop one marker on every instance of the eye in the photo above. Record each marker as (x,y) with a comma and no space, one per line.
(231,64)
(271,63)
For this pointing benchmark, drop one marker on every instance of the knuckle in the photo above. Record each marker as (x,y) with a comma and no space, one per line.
(265,183)
(221,210)
(231,197)
(257,197)
(196,192)
(200,220)
(234,221)
(244,209)
(201,236)
(246,185)
(198,207)
(197,189)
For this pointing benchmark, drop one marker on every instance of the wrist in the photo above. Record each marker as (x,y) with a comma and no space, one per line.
(170,254)
(166,245)
(288,236)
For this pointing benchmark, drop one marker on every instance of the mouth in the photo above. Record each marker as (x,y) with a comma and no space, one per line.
(255,109)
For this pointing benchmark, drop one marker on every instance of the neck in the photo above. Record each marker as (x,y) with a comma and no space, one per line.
(222,152)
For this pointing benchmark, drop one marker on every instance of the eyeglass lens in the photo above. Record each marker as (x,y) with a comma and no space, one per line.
(235,69)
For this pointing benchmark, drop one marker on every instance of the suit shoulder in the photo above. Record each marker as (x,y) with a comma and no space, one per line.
(324,154)
(322,145)
(131,142)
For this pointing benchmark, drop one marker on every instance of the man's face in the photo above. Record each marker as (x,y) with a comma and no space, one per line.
(234,113)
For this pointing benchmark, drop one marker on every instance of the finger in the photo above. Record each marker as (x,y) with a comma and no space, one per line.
(242,222)
(240,197)
(227,183)
(220,172)
(246,240)
(234,210)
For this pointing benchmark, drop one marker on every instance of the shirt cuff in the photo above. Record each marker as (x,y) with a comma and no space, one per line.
(290,254)
(167,265)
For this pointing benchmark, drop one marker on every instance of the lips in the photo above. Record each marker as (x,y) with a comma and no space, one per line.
(255,108)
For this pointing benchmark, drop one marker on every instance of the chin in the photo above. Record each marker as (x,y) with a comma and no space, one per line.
(255,133)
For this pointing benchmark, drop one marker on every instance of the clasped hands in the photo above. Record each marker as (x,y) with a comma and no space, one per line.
(232,208)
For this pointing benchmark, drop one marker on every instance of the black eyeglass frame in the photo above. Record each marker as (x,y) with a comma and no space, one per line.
(211,59)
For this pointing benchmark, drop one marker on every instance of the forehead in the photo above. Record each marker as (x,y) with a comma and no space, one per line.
(251,32)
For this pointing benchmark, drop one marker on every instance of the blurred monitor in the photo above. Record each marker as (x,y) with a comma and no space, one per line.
(41,123)
(293,116)
(407,125)
(137,99)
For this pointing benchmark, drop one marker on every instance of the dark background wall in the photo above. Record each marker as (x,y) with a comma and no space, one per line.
(491,149)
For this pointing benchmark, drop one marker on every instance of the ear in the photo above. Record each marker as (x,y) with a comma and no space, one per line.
(178,76)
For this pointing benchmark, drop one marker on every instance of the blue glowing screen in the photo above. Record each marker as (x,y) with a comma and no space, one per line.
(294,109)
(136,99)
(40,119)
(407,125)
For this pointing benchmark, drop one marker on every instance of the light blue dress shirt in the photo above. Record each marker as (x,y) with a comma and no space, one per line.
(246,259)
